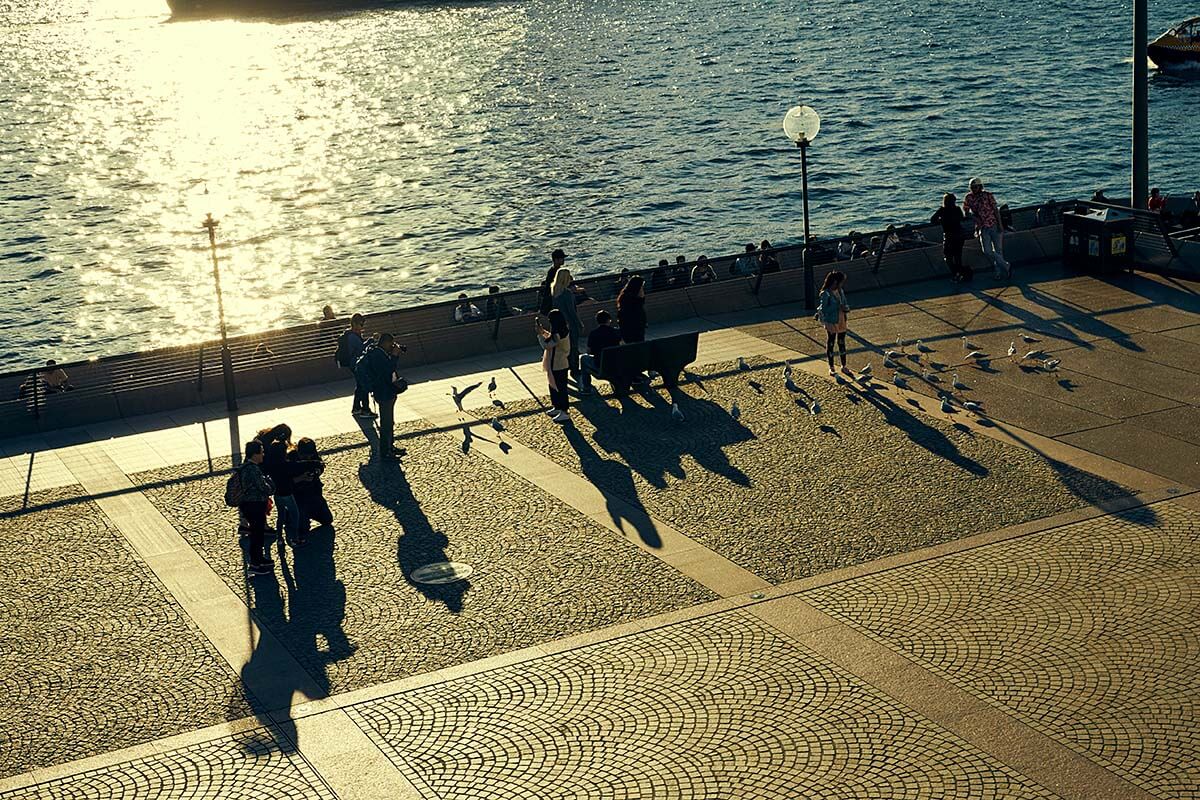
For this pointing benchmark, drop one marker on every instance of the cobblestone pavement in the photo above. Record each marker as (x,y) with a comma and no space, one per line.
(787,494)
(94,656)
(344,608)
(717,707)
(1086,632)
(248,766)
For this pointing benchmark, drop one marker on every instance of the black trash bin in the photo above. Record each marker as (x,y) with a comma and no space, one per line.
(1098,240)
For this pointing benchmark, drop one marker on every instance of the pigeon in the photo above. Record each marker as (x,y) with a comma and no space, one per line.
(972,406)
(815,408)
(896,379)
(492,385)
(497,425)
(458,396)
(888,363)
(735,412)
(865,371)
(957,384)
(1031,355)
(498,403)
(1029,339)
(676,414)
(1051,364)
(924,348)
(1012,349)
(946,407)
(976,354)
(742,365)
(651,374)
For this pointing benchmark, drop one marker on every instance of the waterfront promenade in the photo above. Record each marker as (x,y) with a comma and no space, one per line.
(881,600)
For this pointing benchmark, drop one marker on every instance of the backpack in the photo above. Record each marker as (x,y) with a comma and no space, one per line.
(233,489)
(545,301)
(362,370)
(345,351)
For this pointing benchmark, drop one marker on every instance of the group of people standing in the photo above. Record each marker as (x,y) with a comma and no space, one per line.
(562,331)
(274,472)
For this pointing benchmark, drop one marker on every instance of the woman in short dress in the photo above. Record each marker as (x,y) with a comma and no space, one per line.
(832,313)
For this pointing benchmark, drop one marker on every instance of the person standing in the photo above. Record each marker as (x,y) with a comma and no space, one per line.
(950,217)
(377,369)
(309,490)
(833,313)
(562,292)
(982,207)
(545,297)
(349,348)
(631,310)
(556,347)
(282,470)
(256,490)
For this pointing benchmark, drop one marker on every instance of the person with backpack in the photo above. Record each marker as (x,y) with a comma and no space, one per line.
(376,369)
(250,490)
(349,347)
(545,297)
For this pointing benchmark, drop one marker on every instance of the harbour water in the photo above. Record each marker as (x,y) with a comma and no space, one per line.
(400,153)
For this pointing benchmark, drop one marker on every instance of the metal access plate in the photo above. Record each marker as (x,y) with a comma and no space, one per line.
(442,572)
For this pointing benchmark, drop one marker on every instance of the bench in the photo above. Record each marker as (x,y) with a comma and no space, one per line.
(621,364)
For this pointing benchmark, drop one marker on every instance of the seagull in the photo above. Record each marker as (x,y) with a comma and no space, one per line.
(651,374)
(893,354)
(972,406)
(787,370)
(735,412)
(1032,354)
(957,384)
(967,345)
(492,385)
(888,363)
(896,379)
(497,425)
(976,354)
(899,344)
(742,365)
(865,371)
(676,414)
(1051,364)
(498,403)
(458,396)
(1012,349)
(1029,339)
(815,408)
(946,407)
(924,348)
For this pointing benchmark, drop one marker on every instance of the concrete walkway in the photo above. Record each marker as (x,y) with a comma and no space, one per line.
(882,600)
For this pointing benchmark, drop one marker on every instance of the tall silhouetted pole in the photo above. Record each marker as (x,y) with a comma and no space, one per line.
(235,444)
(1140,173)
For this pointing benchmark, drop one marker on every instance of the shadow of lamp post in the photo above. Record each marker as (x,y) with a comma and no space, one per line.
(235,447)
(801,125)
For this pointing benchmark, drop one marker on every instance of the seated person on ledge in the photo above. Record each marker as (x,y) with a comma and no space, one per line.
(466,311)
(496,305)
(604,336)
(55,377)
(703,271)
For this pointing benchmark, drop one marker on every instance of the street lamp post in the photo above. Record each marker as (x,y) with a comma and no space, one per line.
(801,125)
(210,225)
(1139,184)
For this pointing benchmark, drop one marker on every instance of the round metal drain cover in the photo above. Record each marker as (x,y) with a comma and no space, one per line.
(442,572)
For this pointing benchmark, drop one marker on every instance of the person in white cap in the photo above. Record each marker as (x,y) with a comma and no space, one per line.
(982,207)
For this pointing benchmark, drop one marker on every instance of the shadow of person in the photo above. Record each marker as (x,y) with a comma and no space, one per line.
(1069,317)
(616,481)
(418,544)
(920,432)
(316,604)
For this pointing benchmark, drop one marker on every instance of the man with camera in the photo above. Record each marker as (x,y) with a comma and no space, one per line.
(376,369)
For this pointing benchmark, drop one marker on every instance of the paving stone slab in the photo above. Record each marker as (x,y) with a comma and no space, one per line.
(1181,423)
(1189,334)
(95,656)
(1160,348)
(1133,443)
(787,495)
(249,766)
(344,607)
(1085,632)
(719,707)
(1129,368)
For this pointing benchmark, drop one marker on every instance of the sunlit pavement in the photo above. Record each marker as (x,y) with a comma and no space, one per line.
(882,599)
